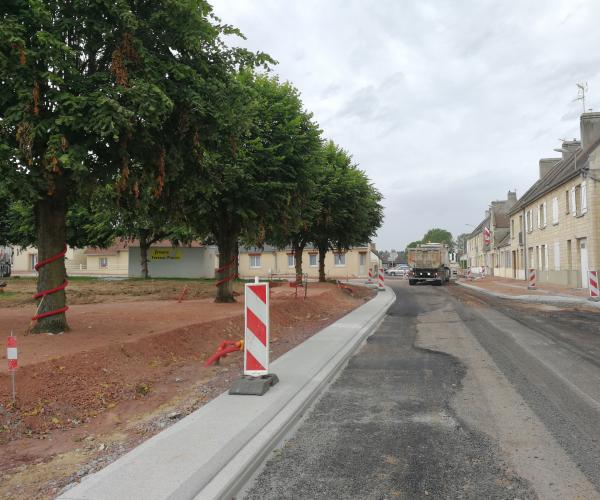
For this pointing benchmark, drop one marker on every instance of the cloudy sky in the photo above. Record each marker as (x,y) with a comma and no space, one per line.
(445,104)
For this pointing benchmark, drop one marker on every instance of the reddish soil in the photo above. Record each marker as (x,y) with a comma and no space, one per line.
(123,372)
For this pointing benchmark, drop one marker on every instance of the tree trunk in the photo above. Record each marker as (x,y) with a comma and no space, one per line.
(144,253)
(51,228)
(228,266)
(322,254)
(298,249)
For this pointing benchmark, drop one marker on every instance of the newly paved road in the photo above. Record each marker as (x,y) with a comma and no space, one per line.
(454,396)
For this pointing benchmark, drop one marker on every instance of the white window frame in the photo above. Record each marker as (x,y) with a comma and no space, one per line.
(291,258)
(312,256)
(339,259)
(539,216)
(102,260)
(545,214)
(255,261)
(573,202)
(555,210)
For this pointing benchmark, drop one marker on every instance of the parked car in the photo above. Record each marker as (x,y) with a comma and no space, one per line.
(399,270)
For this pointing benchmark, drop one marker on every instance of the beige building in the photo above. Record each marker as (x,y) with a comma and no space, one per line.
(25,259)
(484,257)
(270,261)
(554,228)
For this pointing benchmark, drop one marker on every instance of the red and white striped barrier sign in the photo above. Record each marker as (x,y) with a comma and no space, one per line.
(11,353)
(532,280)
(381,280)
(256,333)
(594,291)
(370,280)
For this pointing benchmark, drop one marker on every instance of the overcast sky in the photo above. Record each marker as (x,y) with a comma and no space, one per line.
(445,104)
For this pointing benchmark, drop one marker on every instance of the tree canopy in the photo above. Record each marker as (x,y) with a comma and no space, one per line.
(136,120)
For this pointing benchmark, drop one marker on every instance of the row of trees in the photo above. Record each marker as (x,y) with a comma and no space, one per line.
(134,119)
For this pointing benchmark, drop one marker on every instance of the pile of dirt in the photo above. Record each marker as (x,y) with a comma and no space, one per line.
(126,382)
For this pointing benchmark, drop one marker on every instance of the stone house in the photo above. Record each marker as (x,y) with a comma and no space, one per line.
(482,257)
(555,226)
(270,261)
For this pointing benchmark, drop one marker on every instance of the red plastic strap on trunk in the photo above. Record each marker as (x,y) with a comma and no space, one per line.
(223,268)
(43,293)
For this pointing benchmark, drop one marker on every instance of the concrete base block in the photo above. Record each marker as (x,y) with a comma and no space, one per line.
(531,288)
(253,386)
(594,299)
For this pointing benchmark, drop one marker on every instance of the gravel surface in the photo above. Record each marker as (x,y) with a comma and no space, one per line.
(387,428)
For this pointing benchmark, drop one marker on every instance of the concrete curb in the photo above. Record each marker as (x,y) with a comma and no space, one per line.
(212,452)
(541,299)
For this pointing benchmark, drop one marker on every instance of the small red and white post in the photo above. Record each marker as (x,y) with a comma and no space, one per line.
(469,275)
(12,357)
(256,331)
(370,280)
(381,280)
(594,289)
(532,280)
(256,380)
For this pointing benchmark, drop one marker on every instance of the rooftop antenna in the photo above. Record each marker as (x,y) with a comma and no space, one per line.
(581,91)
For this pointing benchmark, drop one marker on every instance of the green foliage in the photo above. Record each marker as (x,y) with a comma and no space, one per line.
(437,235)
(414,244)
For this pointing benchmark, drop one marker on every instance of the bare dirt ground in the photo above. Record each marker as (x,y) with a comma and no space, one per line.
(131,364)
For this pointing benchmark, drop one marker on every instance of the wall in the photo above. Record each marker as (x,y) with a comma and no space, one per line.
(277,263)
(174,262)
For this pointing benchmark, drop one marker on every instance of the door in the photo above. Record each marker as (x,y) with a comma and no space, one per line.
(514,264)
(584,262)
(362,263)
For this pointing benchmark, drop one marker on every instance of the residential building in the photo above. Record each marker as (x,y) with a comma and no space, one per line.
(482,243)
(25,259)
(269,261)
(555,226)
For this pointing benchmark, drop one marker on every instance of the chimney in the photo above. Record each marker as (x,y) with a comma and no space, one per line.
(570,147)
(590,128)
(547,163)
(511,199)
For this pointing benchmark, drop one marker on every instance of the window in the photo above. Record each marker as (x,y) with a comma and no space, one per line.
(539,217)
(583,198)
(567,202)
(569,255)
(557,255)
(339,259)
(529,220)
(544,214)
(312,260)
(573,202)
(512,228)
(33,260)
(254,261)
(555,210)
(291,260)
(103,262)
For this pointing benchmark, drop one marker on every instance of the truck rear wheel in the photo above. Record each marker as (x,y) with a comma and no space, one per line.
(412,282)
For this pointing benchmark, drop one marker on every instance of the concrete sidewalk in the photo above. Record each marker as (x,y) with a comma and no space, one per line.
(212,452)
(517,290)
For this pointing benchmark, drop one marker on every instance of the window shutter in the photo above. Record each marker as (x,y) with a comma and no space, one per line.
(539,216)
(545,214)
(546,257)
(573,202)
(555,210)
(583,197)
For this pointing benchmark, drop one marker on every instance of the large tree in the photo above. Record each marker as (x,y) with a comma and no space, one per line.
(86,90)
(437,235)
(350,206)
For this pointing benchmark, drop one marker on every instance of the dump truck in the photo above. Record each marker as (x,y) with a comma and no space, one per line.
(429,263)
(6,258)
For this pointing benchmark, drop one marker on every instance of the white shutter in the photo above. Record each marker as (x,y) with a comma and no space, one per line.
(555,210)
(539,216)
(539,258)
(573,203)
(545,214)
(557,255)
(546,256)
(583,197)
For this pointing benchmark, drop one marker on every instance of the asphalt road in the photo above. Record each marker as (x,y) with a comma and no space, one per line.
(456,395)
